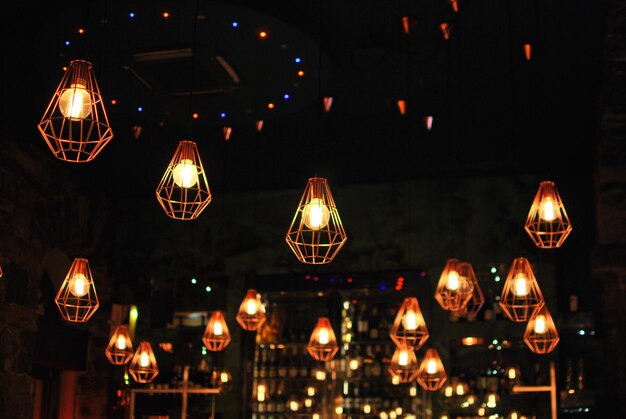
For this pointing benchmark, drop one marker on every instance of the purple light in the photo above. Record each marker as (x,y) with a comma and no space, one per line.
(222,115)
(139,109)
(383,287)
(286,96)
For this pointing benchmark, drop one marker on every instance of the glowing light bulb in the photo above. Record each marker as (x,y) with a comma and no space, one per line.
(79,286)
(251,307)
(409,320)
(218,329)
(460,390)
(308,402)
(185,174)
(354,364)
(512,374)
(395,380)
(453,281)
(315,214)
(310,391)
(120,343)
(323,338)
(540,324)
(431,366)
(448,391)
(293,406)
(320,375)
(367,409)
(75,102)
(491,401)
(224,377)
(260,393)
(413,391)
(521,285)
(144,360)
(403,358)
(547,211)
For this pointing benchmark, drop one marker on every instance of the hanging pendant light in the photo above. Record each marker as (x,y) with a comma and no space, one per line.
(77,299)
(521,297)
(184,191)
(216,336)
(323,343)
(409,328)
(251,314)
(75,124)
(120,347)
(143,367)
(455,285)
(541,334)
(316,233)
(474,304)
(404,364)
(547,223)
(431,374)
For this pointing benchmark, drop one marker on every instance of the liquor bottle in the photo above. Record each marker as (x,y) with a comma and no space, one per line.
(272,367)
(373,323)
(362,323)
(293,363)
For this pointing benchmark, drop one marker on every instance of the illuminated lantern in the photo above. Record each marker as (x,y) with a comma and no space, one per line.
(541,334)
(216,336)
(431,374)
(455,285)
(120,348)
(409,328)
(323,343)
(547,223)
(143,367)
(404,364)
(251,314)
(521,297)
(77,299)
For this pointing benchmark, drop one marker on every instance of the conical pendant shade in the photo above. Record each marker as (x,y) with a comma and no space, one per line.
(216,336)
(541,334)
(455,285)
(474,304)
(75,124)
(431,374)
(316,233)
(77,299)
(184,191)
(251,314)
(547,223)
(409,328)
(404,364)
(120,348)
(323,343)
(143,367)
(521,297)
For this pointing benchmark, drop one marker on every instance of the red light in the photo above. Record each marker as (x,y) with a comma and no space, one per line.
(400,279)
(349,279)
(119,393)
(113,102)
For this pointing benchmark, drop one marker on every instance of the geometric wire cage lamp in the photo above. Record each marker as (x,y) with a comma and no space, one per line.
(75,124)
(547,222)
(316,233)
(323,343)
(184,191)
(474,304)
(216,336)
(521,297)
(409,328)
(455,285)
(431,374)
(404,364)
(143,366)
(251,314)
(120,347)
(541,334)
(77,299)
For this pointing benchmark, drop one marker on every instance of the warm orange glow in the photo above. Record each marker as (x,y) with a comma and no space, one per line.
(471,341)
(527,51)
(409,328)
(270,106)
(300,73)
(540,324)
(79,285)
(259,125)
(456,285)
(455,5)
(251,312)
(431,366)
(445,30)
(328,103)
(113,102)
(403,365)
(428,122)
(77,299)
(431,374)
(323,343)
(547,223)
(195,116)
(541,335)
(81,31)
(166,15)
(121,342)
(227,132)
(409,321)
(143,367)
(406,24)
(216,336)
(64,68)
(521,285)
(521,297)
(120,348)
(262,34)
(402,106)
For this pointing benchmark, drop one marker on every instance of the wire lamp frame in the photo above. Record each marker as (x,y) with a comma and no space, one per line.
(455,285)
(521,296)
(119,351)
(75,124)
(184,191)
(216,335)
(251,314)
(77,299)
(431,374)
(323,343)
(409,328)
(474,304)
(541,335)
(547,223)
(316,233)
(143,367)
(404,364)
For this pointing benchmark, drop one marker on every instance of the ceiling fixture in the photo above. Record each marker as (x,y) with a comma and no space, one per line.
(409,328)
(471,308)
(216,336)
(184,191)
(143,367)
(455,286)
(75,124)
(404,364)
(323,343)
(316,233)
(541,334)
(431,374)
(547,222)
(77,299)
(120,348)
(251,314)
(521,297)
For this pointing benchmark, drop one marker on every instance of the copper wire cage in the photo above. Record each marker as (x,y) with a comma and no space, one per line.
(216,336)
(119,351)
(409,327)
(75,124)
(404,364)
(251,314)
(77,299)
(541,335)
(521,296)
(184,191)
(431,374)
(474,304)
(323,343)
(547,223)
(316,233)
(143,367)
(455,285)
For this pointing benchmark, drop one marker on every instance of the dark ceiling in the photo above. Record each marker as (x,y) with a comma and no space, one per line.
(494,112)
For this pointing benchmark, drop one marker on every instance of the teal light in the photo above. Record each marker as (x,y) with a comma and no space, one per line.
(208,288)
(194,280)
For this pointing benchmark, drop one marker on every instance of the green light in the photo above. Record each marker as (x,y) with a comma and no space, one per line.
(493,270)
(497,278)
(194,280)
(134,313)
(208,288)
(204,352)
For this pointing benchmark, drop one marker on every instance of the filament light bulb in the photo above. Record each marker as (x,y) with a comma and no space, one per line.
(75,102)
(323,337)
(120,342)
(218,329)
(540,324)
(409,320)
(453,281)
(185,174)
(144,360)
(315,214)
(79,286)
(251,307)
(403,358)
(521,285)
(547,212)
(431,367)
